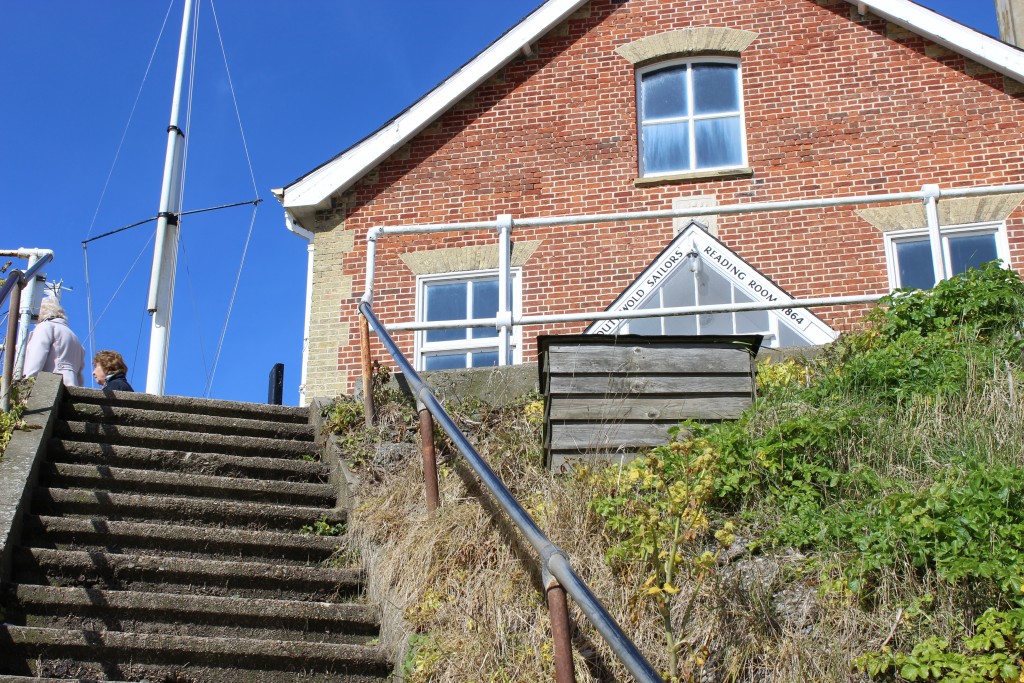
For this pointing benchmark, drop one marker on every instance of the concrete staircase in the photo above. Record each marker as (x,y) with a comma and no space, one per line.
(163,544)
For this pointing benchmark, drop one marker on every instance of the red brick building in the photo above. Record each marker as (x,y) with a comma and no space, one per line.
(613,106)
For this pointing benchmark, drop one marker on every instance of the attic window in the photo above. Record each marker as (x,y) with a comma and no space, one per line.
(691,117)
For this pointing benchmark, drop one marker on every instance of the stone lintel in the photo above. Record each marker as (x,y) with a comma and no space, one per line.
(462,259)
(963,211)
(686,42)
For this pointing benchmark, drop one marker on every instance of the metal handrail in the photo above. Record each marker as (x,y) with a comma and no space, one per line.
(554,560)
(15,282)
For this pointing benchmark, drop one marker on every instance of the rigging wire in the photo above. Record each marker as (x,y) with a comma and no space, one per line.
(181,213)
(131,115)
(138,342)
(234,292)
(234,99)
(92,328)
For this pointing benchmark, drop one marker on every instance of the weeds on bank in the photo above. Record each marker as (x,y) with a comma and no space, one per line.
(11,420)
(862,520)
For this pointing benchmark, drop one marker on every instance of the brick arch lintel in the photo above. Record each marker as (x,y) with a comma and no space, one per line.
(685,42)
(962,211)
(463,259)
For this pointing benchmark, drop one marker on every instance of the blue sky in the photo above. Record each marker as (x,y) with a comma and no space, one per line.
(310,77)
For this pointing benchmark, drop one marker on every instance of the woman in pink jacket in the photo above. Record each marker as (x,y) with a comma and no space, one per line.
(53,347)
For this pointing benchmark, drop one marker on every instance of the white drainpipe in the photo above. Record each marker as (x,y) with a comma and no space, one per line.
(294,227)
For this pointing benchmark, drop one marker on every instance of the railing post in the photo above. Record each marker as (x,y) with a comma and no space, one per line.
(504,288)
(931,210)
(364,348)
(429,456)
(558,610)
(11,343)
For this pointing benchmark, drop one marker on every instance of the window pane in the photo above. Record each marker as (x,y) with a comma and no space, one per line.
(749,322)
(714,289)
(485,305)
(666,147)
(790,337)
(970,251)
(680,290)
(484,359)
(718,142)
(715,88)
(446,302)
(663,93)
(914,258)
(444,361)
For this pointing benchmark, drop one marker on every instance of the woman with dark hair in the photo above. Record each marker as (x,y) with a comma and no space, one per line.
(53,347)
(109,371)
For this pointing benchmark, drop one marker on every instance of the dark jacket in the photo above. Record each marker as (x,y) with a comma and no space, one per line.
(117,382)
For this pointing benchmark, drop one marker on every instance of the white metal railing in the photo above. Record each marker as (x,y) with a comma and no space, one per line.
(504,225)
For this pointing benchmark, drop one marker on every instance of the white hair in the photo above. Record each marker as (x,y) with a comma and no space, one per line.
(50,308)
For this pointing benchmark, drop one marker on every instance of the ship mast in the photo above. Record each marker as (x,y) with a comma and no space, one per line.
(165,251)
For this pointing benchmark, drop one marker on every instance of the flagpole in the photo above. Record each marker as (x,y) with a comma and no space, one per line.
(165,252)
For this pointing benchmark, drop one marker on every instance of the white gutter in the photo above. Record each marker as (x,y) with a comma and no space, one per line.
(341,173)
(994,54)
(297,229)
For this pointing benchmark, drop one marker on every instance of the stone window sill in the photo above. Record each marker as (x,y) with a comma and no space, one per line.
(742,172)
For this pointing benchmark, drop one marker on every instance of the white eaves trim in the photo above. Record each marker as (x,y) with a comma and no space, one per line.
(995,54)
(342,172)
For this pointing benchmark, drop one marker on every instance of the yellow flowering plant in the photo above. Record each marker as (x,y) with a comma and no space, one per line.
(654,511)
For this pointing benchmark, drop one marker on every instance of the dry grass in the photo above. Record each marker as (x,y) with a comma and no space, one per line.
(462,593)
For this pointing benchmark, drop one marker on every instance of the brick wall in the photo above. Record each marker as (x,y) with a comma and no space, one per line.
(836,104)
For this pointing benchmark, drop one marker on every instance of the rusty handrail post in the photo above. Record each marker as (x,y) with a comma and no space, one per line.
(429,457)
(561,635)
(11,343)
(364,348)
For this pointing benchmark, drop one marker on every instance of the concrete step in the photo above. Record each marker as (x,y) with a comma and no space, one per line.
(96,534)
(92,609)
(278,469)
(121,480)
(160,419)
(194,406)
(157,657)
(224,513)
(185,441)
(156,573)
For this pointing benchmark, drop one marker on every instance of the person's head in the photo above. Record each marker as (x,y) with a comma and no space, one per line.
(106,363)
(50,308)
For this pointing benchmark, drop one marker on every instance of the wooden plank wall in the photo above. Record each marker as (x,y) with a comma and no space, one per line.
(612,397)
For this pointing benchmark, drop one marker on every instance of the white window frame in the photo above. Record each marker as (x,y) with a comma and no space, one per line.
(998,229)
(690,117)
(423,347)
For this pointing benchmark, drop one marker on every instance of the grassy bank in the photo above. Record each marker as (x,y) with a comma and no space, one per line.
(861,522)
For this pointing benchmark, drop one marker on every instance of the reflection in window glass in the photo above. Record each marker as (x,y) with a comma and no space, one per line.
(715,88)
(915,264)
(690,117)
(664,94)
(964,250)
(970,251)
(446,301)
(444,361)
(718,142)
(485,359)
(666,147)
(485,305)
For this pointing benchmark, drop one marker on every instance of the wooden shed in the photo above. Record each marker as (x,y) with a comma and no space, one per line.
(612,397)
